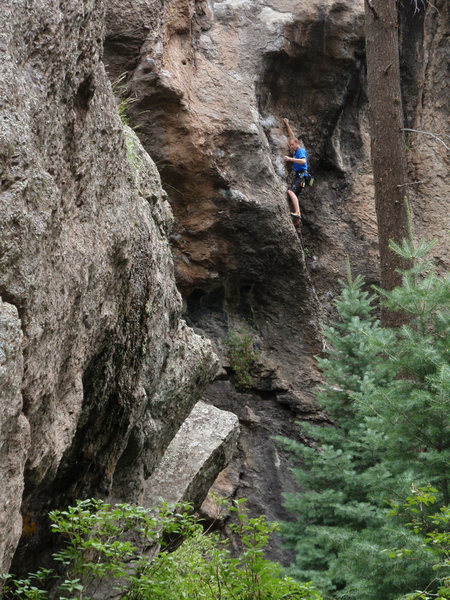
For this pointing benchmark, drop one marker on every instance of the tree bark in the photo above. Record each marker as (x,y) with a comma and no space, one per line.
(388,143)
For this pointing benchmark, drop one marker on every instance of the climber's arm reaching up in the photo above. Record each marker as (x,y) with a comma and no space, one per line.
(289,130)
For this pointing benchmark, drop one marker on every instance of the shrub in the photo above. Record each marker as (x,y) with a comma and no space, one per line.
(203,568)
(105,543)
(242,358)
(434,528)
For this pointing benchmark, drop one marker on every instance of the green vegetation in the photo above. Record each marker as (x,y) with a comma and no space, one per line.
(203,568)
(112,545)
(435,530)
(101,542)
(124,102)
(130,146)
(387,393)
(242,358)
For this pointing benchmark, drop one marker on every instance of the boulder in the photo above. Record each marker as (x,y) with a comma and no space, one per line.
(202,447)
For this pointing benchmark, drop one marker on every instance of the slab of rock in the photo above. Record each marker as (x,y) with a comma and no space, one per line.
(202,447)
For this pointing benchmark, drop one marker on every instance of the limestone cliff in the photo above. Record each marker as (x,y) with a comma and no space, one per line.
(97,370)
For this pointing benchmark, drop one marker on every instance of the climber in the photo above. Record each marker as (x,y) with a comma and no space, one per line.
(300,160)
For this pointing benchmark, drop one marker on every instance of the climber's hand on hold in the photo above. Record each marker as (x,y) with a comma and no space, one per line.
(287,158)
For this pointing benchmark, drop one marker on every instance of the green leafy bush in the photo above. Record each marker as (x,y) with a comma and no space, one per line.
(106,543)
(435,531)
(102,542)
(203,568)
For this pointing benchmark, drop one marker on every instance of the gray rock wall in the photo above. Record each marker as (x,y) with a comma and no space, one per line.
(14,432)
(110,371)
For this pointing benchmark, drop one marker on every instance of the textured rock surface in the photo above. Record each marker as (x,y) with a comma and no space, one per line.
(260,470)
(203,445)
(212,86)
(212,82)
(14,433)
(426,55)
(109,369)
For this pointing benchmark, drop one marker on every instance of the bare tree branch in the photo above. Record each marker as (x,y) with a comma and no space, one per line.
(432,135)
(414,183)
(424,3)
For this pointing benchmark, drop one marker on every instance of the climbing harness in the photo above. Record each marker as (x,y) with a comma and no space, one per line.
(305,179)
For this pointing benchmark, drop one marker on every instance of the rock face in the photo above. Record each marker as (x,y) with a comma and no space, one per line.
(212,86)
(14,432)
(100,369)
(211,82)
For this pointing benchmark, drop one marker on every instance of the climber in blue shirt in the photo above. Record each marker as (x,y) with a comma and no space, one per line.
(300,160)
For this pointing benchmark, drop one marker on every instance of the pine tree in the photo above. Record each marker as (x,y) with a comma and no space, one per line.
(387,392)
(413,403)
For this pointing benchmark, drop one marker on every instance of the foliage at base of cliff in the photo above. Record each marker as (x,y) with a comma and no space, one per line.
(143,554)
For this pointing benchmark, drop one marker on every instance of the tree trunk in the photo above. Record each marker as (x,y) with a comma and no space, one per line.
(388,143)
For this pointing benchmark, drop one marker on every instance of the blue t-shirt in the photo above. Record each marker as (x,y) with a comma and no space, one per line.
(301,153)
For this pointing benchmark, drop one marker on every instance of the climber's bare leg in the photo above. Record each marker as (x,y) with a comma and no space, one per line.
(294,203)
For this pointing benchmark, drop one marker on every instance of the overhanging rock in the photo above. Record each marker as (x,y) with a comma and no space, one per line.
(201,449)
